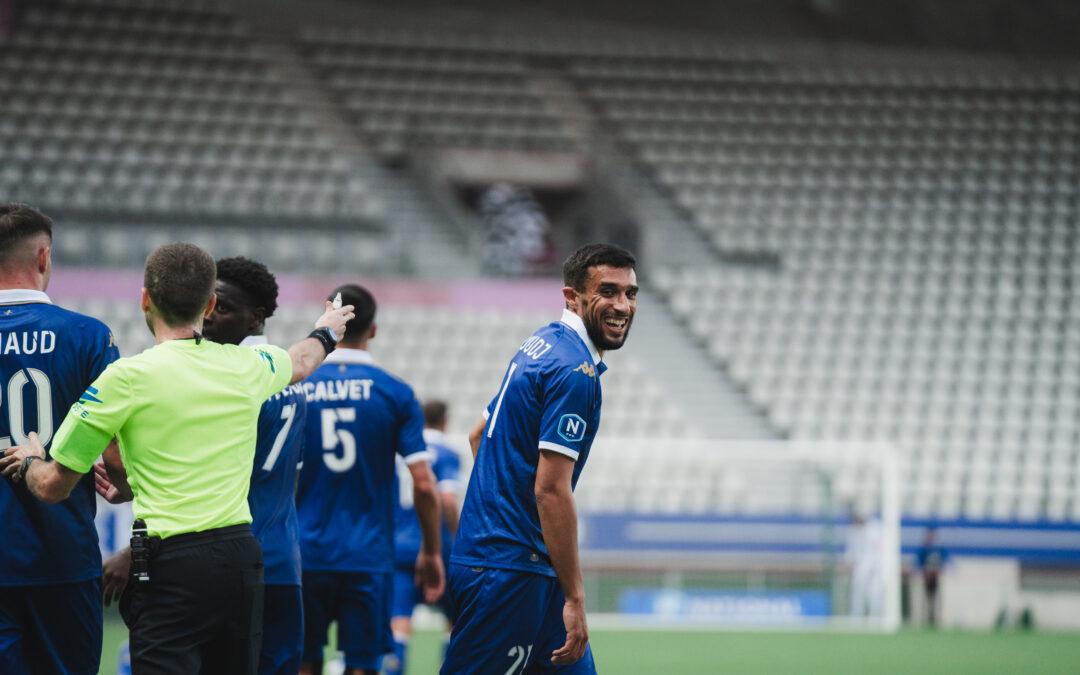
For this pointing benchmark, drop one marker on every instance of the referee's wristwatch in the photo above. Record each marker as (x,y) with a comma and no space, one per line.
(24,466)
(326,337)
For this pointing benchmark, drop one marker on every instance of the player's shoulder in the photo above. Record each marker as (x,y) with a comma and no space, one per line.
(86,324)
(554,347)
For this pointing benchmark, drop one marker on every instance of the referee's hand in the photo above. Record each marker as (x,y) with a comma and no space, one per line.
(335,319)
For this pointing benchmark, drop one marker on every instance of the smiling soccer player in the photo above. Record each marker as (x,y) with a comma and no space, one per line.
(515,578)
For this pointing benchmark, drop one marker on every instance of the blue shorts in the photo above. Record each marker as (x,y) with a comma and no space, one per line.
(51,629)
(360,603)
(283,630)
(408,595)
(507,622)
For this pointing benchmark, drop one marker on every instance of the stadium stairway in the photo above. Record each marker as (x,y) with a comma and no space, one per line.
(425,248)
(697,386)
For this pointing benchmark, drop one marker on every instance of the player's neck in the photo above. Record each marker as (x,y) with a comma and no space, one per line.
(362,345)
(21,281)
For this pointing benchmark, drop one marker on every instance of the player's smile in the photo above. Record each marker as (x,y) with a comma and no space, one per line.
(609,305)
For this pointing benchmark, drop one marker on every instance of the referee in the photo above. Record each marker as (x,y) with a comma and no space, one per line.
(185,413)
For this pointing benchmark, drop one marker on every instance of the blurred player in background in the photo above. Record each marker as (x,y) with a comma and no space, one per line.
(407,536)
(246,298)
(864,555)
(932,559)
(50,590)
(360,418)
(515,578)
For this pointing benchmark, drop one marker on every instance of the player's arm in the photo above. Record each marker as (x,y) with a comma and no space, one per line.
(448,501)
(51,482)
(429,568)
(114,482)
(308,354)
(558,522)
(475,435)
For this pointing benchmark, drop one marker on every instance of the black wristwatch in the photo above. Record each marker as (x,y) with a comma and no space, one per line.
(24,466)
(326,337)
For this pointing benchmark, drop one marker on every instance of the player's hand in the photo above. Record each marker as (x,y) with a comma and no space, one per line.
(13,457)
(577,635)
(104,486)
(114,576)
(430,576)
(335,319)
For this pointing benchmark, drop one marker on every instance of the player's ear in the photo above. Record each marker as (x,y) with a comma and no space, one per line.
(144,301)
(371,333)
(570,295)
(44,256)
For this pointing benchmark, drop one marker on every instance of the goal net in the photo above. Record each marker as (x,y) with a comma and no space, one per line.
(689,533)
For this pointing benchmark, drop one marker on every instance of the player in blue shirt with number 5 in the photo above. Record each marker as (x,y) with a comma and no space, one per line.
(515,578)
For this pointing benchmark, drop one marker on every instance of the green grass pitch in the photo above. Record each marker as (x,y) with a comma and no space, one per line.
(809,653)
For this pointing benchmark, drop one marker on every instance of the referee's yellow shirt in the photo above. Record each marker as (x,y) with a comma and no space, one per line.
(186,416)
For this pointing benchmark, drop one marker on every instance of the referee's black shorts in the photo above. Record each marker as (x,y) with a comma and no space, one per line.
(202,610)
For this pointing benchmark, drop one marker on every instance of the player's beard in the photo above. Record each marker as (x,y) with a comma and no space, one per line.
(595,330)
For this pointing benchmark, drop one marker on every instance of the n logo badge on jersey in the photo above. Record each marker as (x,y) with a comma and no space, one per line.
(572,427)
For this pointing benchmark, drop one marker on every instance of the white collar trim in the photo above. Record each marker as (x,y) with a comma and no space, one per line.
(254,341)
(350,356)
(574,321)
(16,296)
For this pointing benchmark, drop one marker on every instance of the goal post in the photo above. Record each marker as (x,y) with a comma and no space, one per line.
(722,534)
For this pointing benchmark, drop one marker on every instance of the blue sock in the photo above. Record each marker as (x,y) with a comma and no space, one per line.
(395,664)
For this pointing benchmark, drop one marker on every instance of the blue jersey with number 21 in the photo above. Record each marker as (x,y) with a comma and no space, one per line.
(48,358)
(549,400)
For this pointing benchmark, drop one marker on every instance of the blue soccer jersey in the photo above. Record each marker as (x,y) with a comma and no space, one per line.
(360,418)
(549,400)
(446,466)
(48,358)
(272,497)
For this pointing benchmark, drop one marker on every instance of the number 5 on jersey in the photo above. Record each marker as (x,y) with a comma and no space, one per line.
(332,437)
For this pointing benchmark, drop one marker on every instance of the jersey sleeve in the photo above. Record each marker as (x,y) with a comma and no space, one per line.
(411,445)
(567,397)
(276,370)
(447,470)
(93,421)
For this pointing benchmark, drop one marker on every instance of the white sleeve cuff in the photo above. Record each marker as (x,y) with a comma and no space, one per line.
(424,456)
(561,449)
(449,486)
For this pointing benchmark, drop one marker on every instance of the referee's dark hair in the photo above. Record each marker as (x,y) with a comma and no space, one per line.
(435,412)
(254,279)
(576,268)
(19,222)
(180,280)
(363,303)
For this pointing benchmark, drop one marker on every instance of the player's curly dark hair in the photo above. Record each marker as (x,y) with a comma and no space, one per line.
(576,267)
(252,277)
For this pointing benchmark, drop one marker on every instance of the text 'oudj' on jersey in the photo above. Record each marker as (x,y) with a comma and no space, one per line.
(359,419)
(48,356)
(549,400)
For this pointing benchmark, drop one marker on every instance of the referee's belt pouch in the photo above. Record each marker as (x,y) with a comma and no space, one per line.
(134,597)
